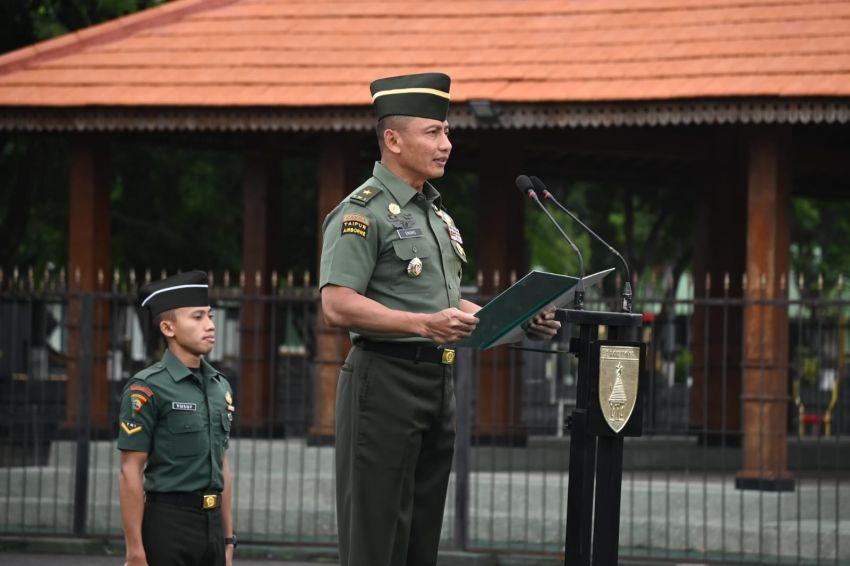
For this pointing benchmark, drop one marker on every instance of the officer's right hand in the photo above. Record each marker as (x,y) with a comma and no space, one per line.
(449,325)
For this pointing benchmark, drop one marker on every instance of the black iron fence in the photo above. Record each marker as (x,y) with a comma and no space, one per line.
(64,358)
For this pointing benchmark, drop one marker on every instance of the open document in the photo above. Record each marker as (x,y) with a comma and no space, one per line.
(500,320)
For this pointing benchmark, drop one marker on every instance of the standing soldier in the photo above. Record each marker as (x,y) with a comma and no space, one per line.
(175,485)
(390,273)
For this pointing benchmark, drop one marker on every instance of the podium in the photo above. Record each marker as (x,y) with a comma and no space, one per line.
(609,407)
(609,402)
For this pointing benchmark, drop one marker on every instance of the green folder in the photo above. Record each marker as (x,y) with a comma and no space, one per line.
(500,320)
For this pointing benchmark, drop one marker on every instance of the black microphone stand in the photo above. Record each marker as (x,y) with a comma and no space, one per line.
(626,305)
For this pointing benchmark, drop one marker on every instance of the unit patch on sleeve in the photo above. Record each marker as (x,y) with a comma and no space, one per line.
(355,224)
(146,390)
(138,401)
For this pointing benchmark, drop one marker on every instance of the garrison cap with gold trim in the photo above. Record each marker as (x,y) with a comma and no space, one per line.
(188,289)
(424,95)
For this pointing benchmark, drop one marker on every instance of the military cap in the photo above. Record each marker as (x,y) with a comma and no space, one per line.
(188,289)
(424,95)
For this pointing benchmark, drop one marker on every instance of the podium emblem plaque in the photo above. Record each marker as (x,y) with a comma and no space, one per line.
(619,373)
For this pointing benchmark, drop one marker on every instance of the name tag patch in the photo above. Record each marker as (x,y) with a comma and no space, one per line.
(180,406)
(409,232)
(355,224)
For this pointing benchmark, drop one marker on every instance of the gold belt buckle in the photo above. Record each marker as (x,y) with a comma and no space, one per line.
(210,501)
(448,357)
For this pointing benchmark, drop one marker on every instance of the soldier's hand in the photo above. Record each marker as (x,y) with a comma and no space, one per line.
(543,325)
(449,325)
(228,555)
(136,560)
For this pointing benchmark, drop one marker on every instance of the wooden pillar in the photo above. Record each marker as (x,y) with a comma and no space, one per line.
(260,195)
(338,170)
(765,396)
(501,250)
(715,413)
(89,259)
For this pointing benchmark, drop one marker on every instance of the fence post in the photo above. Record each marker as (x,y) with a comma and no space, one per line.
(463,421)
(81,475)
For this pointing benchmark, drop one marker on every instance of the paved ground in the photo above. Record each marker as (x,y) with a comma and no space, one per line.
(84,560)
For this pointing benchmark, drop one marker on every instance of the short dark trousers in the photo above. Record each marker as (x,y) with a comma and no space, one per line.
(174,535)
(394,447)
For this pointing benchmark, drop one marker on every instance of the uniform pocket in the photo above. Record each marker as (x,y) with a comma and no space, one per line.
(185,429)
(408,249)
(414,271)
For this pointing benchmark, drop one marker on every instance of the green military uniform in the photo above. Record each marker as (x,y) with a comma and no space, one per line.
(395,396)
(181,418)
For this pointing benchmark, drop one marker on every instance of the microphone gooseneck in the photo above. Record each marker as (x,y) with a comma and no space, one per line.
(525,185)
(626,306)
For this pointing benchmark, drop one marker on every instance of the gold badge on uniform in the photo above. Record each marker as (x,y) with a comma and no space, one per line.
(460,251)
(414,268)
(228,397)
(394,208)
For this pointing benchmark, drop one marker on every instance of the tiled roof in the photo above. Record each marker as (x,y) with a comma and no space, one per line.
(308,53)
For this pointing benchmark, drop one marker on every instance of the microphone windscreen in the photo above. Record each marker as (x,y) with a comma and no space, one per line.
(538,184)
(523,183)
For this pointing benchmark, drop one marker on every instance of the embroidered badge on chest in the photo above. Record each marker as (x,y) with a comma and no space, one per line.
(182,406)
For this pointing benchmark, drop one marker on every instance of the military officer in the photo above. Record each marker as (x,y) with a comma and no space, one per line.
(175,421)
(391,266)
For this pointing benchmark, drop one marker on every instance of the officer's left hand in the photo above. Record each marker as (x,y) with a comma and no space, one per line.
(228,555)
(543,326)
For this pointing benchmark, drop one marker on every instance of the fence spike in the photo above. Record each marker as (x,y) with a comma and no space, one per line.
(15,274)
(290,279)
(513,276)
(306,277)
(163,274)
(801,282)
(227,278)
(707,282)
(77,275)
(2,277)
(62,278)
(258,279)
(744,281)
(45,277)
(242,279)
(727,281)
(496,279)
(116,277)
(211,278)
(147,276)
(820,282)
(30,277)
(763,281)
(479,279)
(839,284)
(274,279)
(782,282)
(132,275)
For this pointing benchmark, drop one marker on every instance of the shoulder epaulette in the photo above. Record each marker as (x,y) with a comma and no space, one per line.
(364,195)
(149,371)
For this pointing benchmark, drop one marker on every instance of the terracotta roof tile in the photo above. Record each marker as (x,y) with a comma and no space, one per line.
(315,52)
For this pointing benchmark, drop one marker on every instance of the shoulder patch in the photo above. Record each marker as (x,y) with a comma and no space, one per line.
(355,224)
(364,195)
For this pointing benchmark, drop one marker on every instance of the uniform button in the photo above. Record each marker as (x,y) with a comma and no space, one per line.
(187,426)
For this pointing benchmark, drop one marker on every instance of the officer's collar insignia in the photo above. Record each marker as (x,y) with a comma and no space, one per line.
(183,406)
(228,397)
(394,208)
(130,427)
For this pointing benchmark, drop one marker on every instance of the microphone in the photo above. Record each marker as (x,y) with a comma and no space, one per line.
(525,185)
(627,287)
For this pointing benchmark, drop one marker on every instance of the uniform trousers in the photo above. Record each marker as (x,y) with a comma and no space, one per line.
(395,431)
(174,535)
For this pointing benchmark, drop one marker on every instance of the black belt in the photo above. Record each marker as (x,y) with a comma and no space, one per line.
(184,499)
(409,351)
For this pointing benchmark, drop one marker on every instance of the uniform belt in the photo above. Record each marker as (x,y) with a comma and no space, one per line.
(413,352)
(184,499)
